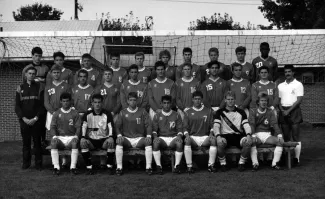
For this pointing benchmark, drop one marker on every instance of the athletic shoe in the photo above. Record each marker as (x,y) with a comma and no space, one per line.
(223,168)
(56,171)
(119,172)
(74,171)
(149,171)
(277,167)
(296,163)
(190,170)
(110,170)
(212,169)
(177,169)
(159,170)
(255,167)
(241,167)
(90,172)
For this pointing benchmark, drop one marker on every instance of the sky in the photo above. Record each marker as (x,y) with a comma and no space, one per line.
(167,14)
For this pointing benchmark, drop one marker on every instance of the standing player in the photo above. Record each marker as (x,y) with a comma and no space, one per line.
(165,56)
(65,128)
(232,129)
(120,74)
(167,131)
(197,127)
(265,60)
(66,74)
(133,130)
(187,55)
(97,133)
(291,93)
(144,74)
(94,78)
(159,87)
(247,69)
(262,120)
(134,85)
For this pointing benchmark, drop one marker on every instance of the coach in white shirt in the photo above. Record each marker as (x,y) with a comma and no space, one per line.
(291,92)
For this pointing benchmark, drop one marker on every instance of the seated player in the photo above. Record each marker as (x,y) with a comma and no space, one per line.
(120,74)
(94,78)
(134,85)
(232,129)
(165,56)
(262,120)
(97,133)
(247,68)
(197,130)
(133,130)
(65,128)
(187,55)
(167,131)
(144,73)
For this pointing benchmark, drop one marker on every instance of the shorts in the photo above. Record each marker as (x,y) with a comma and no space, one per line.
(48,120)
(233,140)
(295,116)
(199,139)
(134,141)
(263,136)
(97,144)
(215,109)
(65,139)
(167,140)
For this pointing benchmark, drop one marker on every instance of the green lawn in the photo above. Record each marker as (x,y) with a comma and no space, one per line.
(307,181)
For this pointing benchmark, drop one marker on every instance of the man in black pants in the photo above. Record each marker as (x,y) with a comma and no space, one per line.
(29,107)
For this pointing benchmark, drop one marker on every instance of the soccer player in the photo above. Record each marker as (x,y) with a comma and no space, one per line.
(214,88)
(133,130)
(97,133)
(82,92)
(232,129)
(167,131)
(120,74)
(66,74)
(187,55)
(197,125)
(265,60)
(159,87)
(165,56)
(262,120)
(247,69)
(134,85)
(291,93)
(144,73)
(28,107)
(65,128)
(94,78)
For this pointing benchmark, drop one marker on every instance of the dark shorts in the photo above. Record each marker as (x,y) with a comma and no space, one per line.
(295,116)
(233,140)
(97,144)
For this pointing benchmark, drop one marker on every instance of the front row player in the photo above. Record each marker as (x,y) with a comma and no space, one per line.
(261,120)
(65,128)
(133,130)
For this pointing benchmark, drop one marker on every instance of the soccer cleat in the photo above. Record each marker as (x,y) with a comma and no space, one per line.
(296,163)
(223,168)
(149,171)
(90,172)
(177,169)
(56,171)
(119,172)
(190,170)
(159,170)
(74,171)
(277,167)
(212,169)
(241,167)
(255,167)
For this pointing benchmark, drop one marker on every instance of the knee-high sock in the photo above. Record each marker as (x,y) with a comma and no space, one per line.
(157,156)
(254,155)
(178,157)
(269,156)
(148,154)
(188,155)
(74,158)
(87,158)
(55,158)
(119,156)
(298,150)
(212,155)
(277,155)
(242,160)
(222,160)
(110,158)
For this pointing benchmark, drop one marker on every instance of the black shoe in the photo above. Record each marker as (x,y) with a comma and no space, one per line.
(56,172)
(268,162)
(25,166)
(241,167)
(212,169)
(159,170)
(190,170)
(177,169)
(149,171)
(223,168)
(296,163)
(119,172)
(255,167)
(38,167)
(277,167)
(74,171)
(90,172)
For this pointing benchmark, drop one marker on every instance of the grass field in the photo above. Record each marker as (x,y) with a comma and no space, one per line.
(307,181)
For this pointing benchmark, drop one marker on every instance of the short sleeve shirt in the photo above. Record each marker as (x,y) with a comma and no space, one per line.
(290,92)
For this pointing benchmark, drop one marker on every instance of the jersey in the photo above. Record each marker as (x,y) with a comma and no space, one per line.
(247,70)
(269,62)
(198,122)
(66,75)
(242,90)
(82,97)
(156,89)
(52,95)
(170,73)
(94,78)
(269,88)
(65,123)
(133,123)
(213,92)
(119,75)
(224,72)
(167,124)
(140,88)
(184,90)
(263,121)
(111,97)
(144,75)
(196,72)
(41,73)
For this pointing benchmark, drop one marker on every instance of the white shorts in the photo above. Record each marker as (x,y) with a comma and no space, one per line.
(168,140)
(48,120)
(65,139)
(134,141)
(199,139)
(263,136)
(215,108)
(152,114)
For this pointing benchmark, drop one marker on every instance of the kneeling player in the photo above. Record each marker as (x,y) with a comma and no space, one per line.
(97,133)
(65,126)
(167,130)
(197,126)
(230,125)
(133,130)
(261,120)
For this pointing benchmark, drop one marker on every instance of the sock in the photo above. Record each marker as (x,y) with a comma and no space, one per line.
(74,158)
(87,158)
(148,154)
(269,156)
(297,151)
(110,159)
(119,156)
(242,160)
(55,158)
(261,156)
(222,160)
(254,155)
(212,155)
(277,155)
(188,155)
(157,157)
(178,157)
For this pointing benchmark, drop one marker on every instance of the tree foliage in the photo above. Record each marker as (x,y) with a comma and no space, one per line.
(294,14)
(37,11)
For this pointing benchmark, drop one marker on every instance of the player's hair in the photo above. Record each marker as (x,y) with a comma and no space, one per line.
(159,63)
(109,70)
(86,55)
(139,54)
(240,49)
(213,63)
(97,96)
(264,44)
(133,66)
(188,64)
(83,71)
(197,94)
(166,98)
(213,49)
(164,52)
(56,67)
(31,68)
(236,65)
(187,50)
(58,54)
(37,50)
(263,67)
(133,94)
(231,94)
(65,95)
(262,95)
(289,66)
(114,55)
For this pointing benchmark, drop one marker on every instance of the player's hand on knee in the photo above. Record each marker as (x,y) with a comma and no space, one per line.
(221,142)
(179,139)
(120,140)
(254,140)
(187,139)
(156,140)
(247,141)
(280,140)
(76,137)
(212,138)
(110,143)
(83,143)
(148,140)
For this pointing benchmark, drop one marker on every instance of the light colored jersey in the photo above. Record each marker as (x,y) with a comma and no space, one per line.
(98,126)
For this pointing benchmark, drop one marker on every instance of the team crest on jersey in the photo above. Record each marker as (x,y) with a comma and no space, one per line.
(155,85)
(266,122)
(93,77)
(194,73)
(231,84)
(116,90)
(172,124)
(126,115)
(145,79)
(292,92)
(167,91)
(192,113)
(128,87)
(247,72)
(140,93)
(193,89)
(160,118)
(259,87)
(60,115)
(182,84)
(76,91)
(220,83)
(270,63)
(243,89)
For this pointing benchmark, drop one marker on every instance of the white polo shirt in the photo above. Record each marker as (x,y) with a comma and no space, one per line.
(289,92)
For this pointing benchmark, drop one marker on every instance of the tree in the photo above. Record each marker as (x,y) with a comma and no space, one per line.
(293,14)
(37,11)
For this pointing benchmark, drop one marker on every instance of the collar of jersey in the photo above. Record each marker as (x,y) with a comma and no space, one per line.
(140,70)
(137,83)
(214,80)
(68,111)
(94,113)
(163,81)
(83,87)
(88,70)
(107,86)
(265,59)
(241,63)
(117,69)
(261,112)
(187,80)
(200,109)
(266,83)
(241,79)
(167,114)
(135,110)
(285,81)
(58,83)
(63,69)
